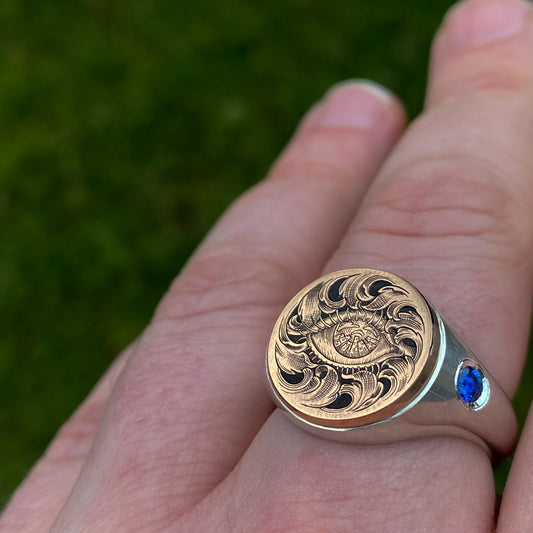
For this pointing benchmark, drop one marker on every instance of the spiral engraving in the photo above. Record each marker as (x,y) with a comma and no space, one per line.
(350,344)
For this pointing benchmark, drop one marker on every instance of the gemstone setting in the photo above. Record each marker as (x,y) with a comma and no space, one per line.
(471,385)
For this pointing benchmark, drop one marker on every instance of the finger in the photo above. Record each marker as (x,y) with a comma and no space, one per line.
(58,469)
(290,480)
(37,502)
(516,511)
(191,398)
(449,211)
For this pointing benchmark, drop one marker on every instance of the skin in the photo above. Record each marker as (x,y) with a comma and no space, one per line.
(181,434)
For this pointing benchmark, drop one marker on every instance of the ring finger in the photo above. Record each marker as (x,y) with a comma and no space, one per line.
(449,211)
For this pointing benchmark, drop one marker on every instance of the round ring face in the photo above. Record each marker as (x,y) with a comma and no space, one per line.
(352,348)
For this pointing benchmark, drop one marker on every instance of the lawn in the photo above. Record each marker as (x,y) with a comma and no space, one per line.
(125,129)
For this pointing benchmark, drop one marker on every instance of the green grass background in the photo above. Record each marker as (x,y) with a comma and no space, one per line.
(126,128)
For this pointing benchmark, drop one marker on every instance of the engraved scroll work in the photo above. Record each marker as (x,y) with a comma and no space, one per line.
(350,345)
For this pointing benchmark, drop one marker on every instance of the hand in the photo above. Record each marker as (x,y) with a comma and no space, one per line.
(181,435)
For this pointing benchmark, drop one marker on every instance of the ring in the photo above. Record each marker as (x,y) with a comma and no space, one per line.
(359,355)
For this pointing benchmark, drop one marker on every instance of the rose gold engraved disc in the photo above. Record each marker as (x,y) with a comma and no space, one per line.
(352,348)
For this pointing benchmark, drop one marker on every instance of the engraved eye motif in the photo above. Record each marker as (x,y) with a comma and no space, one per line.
(356,338)
(349,343)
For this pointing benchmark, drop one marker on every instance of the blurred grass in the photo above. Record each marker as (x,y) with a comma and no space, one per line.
(125,129)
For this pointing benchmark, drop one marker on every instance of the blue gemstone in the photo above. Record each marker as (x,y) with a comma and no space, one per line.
(469,384)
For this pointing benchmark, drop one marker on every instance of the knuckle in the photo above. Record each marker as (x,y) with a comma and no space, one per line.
(227,280)
(325,155)
(505,77)
(174,362)
(459,78)
(301,168)
(425,201)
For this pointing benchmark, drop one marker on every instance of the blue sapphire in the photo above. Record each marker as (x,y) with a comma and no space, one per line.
(469,384)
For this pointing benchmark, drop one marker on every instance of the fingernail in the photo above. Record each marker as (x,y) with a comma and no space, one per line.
(355,104)
(476,22)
